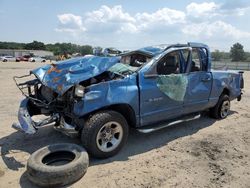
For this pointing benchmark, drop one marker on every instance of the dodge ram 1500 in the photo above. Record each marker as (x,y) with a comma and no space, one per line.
(99,98)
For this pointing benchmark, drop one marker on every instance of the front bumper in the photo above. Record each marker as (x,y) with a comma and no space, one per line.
(26,124)
(38,101)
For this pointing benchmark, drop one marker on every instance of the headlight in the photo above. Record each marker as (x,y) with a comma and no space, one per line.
(79,91)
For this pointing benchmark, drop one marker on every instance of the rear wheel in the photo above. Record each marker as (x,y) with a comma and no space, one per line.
(222,108)
(104,134)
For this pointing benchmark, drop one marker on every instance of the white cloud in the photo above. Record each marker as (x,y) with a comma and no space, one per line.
(164,16)
(207,10)
(115,20)
(128,28)
(109,19)
(106,14)
(70,23)
(202,10)
(234,12)
(217,29)
(162,20)
(235,4)
(199,21)
(233,7)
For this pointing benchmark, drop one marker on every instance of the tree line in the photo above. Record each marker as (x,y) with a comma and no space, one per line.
(57,48)
(236,53)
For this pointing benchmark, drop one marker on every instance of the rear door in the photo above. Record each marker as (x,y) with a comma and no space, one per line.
(199,81)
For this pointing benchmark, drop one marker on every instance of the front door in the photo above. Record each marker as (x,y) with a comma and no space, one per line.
(162,92)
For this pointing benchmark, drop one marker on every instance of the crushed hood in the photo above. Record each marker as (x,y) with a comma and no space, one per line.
(64,74)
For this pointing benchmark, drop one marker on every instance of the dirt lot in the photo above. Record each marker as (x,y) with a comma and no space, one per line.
(201,153)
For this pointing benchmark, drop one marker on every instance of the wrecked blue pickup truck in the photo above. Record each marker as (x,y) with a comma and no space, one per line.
(99,98)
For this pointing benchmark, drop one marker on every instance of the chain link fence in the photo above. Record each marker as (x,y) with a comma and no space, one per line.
(231,65)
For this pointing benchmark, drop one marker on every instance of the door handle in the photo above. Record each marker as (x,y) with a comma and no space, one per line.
(150,75)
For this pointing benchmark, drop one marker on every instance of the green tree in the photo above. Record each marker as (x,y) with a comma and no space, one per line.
(237,52)
(85,50)
(217,55)
(35,45)
(11,45)
(247,56)
(68,48)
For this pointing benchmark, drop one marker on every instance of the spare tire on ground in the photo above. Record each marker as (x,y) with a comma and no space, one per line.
(57,165)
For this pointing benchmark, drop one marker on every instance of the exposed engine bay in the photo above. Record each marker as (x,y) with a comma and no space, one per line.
(46,101)
(45,97)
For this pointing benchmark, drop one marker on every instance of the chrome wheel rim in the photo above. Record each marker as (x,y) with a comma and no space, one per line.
(109,136)
(225,107)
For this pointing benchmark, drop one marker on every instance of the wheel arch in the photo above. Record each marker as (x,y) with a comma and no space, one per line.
(124,109)
(225,91)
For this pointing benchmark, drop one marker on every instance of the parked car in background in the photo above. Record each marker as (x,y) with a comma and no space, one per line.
(110,52)
(37,59)
(7,58)
(23,58)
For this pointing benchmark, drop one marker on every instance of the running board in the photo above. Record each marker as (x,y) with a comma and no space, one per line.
(152,128)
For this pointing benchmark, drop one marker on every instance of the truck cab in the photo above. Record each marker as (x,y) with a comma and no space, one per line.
(180,78)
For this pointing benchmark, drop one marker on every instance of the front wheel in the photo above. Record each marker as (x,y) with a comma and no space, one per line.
(104,134)
(222,108)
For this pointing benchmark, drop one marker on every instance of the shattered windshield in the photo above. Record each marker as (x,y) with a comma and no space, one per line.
(130,63)
(122,68)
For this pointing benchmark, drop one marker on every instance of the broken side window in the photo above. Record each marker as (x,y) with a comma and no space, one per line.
(185,58)
(204,58)
(169,64)
(173,85)
(196,62)
(171,81)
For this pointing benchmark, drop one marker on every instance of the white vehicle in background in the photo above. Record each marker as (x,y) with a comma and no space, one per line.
(37,59)
(7,58)
(110,52)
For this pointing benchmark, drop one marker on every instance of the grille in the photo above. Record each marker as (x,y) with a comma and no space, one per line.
(47,93)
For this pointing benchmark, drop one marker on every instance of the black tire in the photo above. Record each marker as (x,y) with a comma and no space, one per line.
(5,60)
(43,168)
(94,125)
(216,111)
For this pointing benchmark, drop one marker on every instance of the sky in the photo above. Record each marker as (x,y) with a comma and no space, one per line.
(127,24)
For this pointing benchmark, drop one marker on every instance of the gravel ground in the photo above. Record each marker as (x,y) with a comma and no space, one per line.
(200,153)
